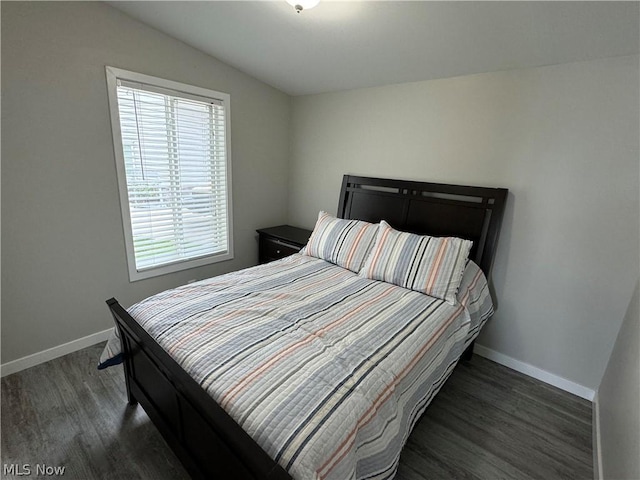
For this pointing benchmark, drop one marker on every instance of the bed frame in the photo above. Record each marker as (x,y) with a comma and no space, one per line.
(205,438)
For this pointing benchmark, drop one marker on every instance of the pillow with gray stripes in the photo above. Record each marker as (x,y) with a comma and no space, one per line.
(431,265)
(346,243)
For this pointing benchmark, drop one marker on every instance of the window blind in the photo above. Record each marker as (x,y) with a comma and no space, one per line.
(175,161)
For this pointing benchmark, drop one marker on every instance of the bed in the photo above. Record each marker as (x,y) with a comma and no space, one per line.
(343,364)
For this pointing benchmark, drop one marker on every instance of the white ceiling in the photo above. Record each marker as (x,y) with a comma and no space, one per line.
(345,45)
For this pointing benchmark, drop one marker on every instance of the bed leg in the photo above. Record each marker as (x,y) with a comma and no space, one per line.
(126,350)
(468,353)
(131,400)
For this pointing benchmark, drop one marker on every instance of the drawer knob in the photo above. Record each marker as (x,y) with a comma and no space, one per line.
(278,252)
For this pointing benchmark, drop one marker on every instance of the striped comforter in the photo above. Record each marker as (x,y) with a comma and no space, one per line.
(326,370)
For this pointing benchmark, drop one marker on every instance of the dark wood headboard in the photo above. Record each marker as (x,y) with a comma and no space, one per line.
(439,210)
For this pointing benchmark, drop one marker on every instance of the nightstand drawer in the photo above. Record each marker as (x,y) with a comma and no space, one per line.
(275,249)
(281,241)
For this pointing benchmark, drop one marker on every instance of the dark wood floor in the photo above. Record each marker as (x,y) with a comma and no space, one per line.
(487,422)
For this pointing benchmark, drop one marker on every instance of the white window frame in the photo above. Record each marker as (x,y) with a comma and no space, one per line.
(113,76)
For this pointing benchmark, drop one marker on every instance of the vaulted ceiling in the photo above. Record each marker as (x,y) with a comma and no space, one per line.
(345,45)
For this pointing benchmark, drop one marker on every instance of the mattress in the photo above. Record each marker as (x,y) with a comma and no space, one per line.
(326,370)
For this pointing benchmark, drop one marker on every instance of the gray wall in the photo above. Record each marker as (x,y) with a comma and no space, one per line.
(62,241)
(619,401)
(563,139)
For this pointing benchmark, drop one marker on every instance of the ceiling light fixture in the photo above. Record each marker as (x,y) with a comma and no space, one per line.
(300,5)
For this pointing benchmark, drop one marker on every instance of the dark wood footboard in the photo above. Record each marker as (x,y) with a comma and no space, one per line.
(207,440)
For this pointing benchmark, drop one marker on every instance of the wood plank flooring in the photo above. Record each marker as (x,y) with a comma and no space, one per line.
(488,422)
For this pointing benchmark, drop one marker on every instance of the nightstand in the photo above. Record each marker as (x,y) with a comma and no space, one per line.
(281,241)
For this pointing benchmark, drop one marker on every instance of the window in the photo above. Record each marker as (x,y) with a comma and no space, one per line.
(172,157)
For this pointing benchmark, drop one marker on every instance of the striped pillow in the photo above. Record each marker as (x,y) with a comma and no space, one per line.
(425,264)
(343,242)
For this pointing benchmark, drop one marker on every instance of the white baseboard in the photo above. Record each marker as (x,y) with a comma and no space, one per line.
(535,372)
(597,447)
(51,353)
